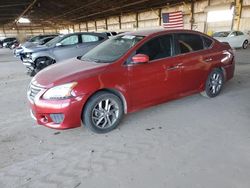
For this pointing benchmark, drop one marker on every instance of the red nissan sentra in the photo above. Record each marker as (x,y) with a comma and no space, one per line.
(127,73)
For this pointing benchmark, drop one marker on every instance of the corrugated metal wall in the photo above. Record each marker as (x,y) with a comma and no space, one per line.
(149,19)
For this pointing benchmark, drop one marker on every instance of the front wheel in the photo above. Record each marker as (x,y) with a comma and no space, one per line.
(40,63)
(214,84)
(245,44)
(103,112)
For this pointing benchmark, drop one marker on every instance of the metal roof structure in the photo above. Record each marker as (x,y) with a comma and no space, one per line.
(50,12)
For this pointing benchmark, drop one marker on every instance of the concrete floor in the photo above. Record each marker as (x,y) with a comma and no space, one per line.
(193,142)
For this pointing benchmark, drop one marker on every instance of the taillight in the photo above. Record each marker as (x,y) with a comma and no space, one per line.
(228,55)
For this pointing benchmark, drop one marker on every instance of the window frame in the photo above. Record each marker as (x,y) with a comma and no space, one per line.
(239,33)
(68,37)
(178,48)
(200,35)
(204,44)
(173,51)
(81,41)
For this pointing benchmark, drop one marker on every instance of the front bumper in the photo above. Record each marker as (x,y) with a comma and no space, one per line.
(67,112)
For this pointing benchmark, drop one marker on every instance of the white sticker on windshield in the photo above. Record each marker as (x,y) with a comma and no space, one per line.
(128,37)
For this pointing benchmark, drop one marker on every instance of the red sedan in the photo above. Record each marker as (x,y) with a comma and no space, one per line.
(127,73)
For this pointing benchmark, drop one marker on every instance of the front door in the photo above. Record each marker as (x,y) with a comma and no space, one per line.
(157,80)
(69,48)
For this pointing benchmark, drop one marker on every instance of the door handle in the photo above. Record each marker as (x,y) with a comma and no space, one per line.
(208,59)
(174,67)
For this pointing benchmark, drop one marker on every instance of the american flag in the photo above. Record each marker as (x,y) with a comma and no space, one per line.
(173,20)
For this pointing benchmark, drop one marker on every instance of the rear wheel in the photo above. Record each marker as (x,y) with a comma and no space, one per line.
(245,44)
(103,112)
(214,84)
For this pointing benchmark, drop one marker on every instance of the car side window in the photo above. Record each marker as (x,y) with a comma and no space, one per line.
(188,42)
(157,48)
(207,42)
(233,34)
(90,38)
(239,33)
(71,40)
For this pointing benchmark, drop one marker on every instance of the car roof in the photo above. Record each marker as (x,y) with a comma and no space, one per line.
(92,33)
(149,32)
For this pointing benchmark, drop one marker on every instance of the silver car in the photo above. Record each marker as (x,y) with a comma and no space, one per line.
(58,49)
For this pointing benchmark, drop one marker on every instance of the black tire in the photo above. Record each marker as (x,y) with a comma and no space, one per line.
(39,66)
(91,114)
(245,44)
(214,85)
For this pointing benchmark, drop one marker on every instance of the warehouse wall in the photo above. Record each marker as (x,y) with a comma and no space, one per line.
(147,19)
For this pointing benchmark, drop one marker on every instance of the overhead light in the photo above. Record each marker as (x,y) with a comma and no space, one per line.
(23,20)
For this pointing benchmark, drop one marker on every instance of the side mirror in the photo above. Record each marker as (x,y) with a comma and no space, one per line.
(140,59)
(58,44)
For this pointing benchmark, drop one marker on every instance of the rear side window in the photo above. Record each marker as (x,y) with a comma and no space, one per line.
(233,34)
(90,38)
(207,42)
(157,48)
(188,42)
(239,33)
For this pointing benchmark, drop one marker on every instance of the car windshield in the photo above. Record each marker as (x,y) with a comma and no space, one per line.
(221,34)
(34,39)
(112,49)
(54,41)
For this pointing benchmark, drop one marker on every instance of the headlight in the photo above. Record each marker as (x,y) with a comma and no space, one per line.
(28,55)
(60,92)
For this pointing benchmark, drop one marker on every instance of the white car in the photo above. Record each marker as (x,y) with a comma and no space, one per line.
(236,39)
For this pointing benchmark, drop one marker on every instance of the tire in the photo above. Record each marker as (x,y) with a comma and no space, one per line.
(99,117)
(214,84)
(39,66)
(245,44)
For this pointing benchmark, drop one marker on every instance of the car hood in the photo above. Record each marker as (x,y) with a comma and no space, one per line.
(27,44)
(35,48)
(67,71)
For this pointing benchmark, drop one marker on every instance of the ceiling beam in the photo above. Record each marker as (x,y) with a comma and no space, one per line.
(111,9)
(13,5)
(27,9)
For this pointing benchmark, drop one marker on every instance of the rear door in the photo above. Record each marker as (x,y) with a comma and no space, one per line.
(241,38)
(192,55)
(234,39)
(157,80)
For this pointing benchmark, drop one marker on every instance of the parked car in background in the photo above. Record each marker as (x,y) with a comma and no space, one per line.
(1,43)
(45,40)
(110,34)
(14,44)
(58,49)
(236,39)
(7,41)
(36,40)
(127,73)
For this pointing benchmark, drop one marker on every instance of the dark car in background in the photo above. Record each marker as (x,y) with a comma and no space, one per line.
(59,49)
(7,41)
(36,40)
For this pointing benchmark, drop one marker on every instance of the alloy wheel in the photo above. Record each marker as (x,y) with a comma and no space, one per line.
(215,83)
(105,113)
(245,44)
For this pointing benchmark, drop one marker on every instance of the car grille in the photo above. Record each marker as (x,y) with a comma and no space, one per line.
(33,91)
